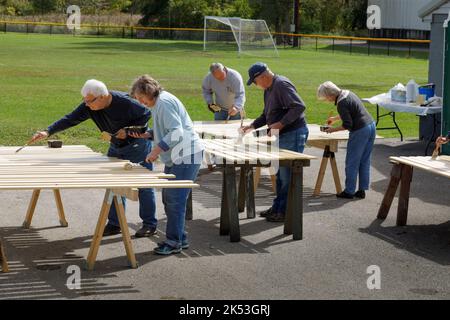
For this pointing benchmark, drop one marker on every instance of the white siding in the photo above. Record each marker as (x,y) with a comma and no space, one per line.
(444,9)
(401,14)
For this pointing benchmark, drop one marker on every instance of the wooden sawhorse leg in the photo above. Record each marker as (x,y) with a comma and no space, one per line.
(327,154)
(246,194)
(293,223)
(229,215)
(59,205)
(110,196)
(3,261)
(189,214)
(257,177)
(32,207)
(400,174)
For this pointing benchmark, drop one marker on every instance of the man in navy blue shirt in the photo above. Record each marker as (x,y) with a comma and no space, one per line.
(112,111)
(284,114)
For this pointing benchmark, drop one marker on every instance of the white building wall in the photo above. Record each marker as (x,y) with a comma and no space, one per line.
(401,14)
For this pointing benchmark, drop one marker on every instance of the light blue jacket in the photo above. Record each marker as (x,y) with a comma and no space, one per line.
(173,131)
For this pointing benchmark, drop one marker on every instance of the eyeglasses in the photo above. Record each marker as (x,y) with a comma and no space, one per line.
(90,102)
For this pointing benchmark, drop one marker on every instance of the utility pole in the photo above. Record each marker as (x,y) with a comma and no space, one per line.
(296,22)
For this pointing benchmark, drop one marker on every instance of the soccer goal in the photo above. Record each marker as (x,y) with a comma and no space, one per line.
(251,37)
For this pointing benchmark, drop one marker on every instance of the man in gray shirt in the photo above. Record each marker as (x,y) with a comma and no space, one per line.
(224,92)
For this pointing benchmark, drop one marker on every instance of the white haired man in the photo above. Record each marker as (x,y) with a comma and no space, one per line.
(224,92)
(112,111)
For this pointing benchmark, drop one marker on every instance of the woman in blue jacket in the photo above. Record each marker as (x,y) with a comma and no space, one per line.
(179,148)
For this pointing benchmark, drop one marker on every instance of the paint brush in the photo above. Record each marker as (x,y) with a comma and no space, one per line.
(25,145)
(240,139)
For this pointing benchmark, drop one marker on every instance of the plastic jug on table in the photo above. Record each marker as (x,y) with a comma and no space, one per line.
(412,91)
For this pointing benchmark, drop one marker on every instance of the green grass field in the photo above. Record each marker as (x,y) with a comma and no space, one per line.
(41,77)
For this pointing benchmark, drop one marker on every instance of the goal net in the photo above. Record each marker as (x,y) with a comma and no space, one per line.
(251,37)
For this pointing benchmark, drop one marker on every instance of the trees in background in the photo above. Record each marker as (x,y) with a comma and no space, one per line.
(315,15)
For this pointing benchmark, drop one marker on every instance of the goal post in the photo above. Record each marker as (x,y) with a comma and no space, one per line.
(247,36)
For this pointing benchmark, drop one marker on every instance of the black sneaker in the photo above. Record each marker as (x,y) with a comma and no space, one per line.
(145,231)
(345,195)
(361,194)
(265,213)
(275,217)
(111,230)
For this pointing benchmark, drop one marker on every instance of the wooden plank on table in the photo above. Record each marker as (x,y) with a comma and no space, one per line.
(439,167)
(99,186)
(104,176)
(227,150)
(94,178)
(107,184)
(80,171)
(45,149)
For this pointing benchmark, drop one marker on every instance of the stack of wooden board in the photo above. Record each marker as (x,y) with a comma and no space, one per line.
(246,157)
(78,167)
(329,143)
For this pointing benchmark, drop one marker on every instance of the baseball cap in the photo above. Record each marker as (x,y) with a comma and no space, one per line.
(254,71)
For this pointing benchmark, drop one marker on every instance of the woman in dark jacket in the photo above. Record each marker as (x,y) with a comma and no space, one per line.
(356,119)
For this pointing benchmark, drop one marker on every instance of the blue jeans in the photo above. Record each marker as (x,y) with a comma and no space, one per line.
(357,161)
(295,141)
(175,200)
(136,153)
(222,115)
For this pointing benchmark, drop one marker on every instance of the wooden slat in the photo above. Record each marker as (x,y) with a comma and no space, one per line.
(227,149)
(157,185)
(74,167)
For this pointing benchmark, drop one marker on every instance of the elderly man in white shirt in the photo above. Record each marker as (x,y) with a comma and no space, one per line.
(224,92)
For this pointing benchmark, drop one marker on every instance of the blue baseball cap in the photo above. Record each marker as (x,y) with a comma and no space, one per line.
(254,71)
